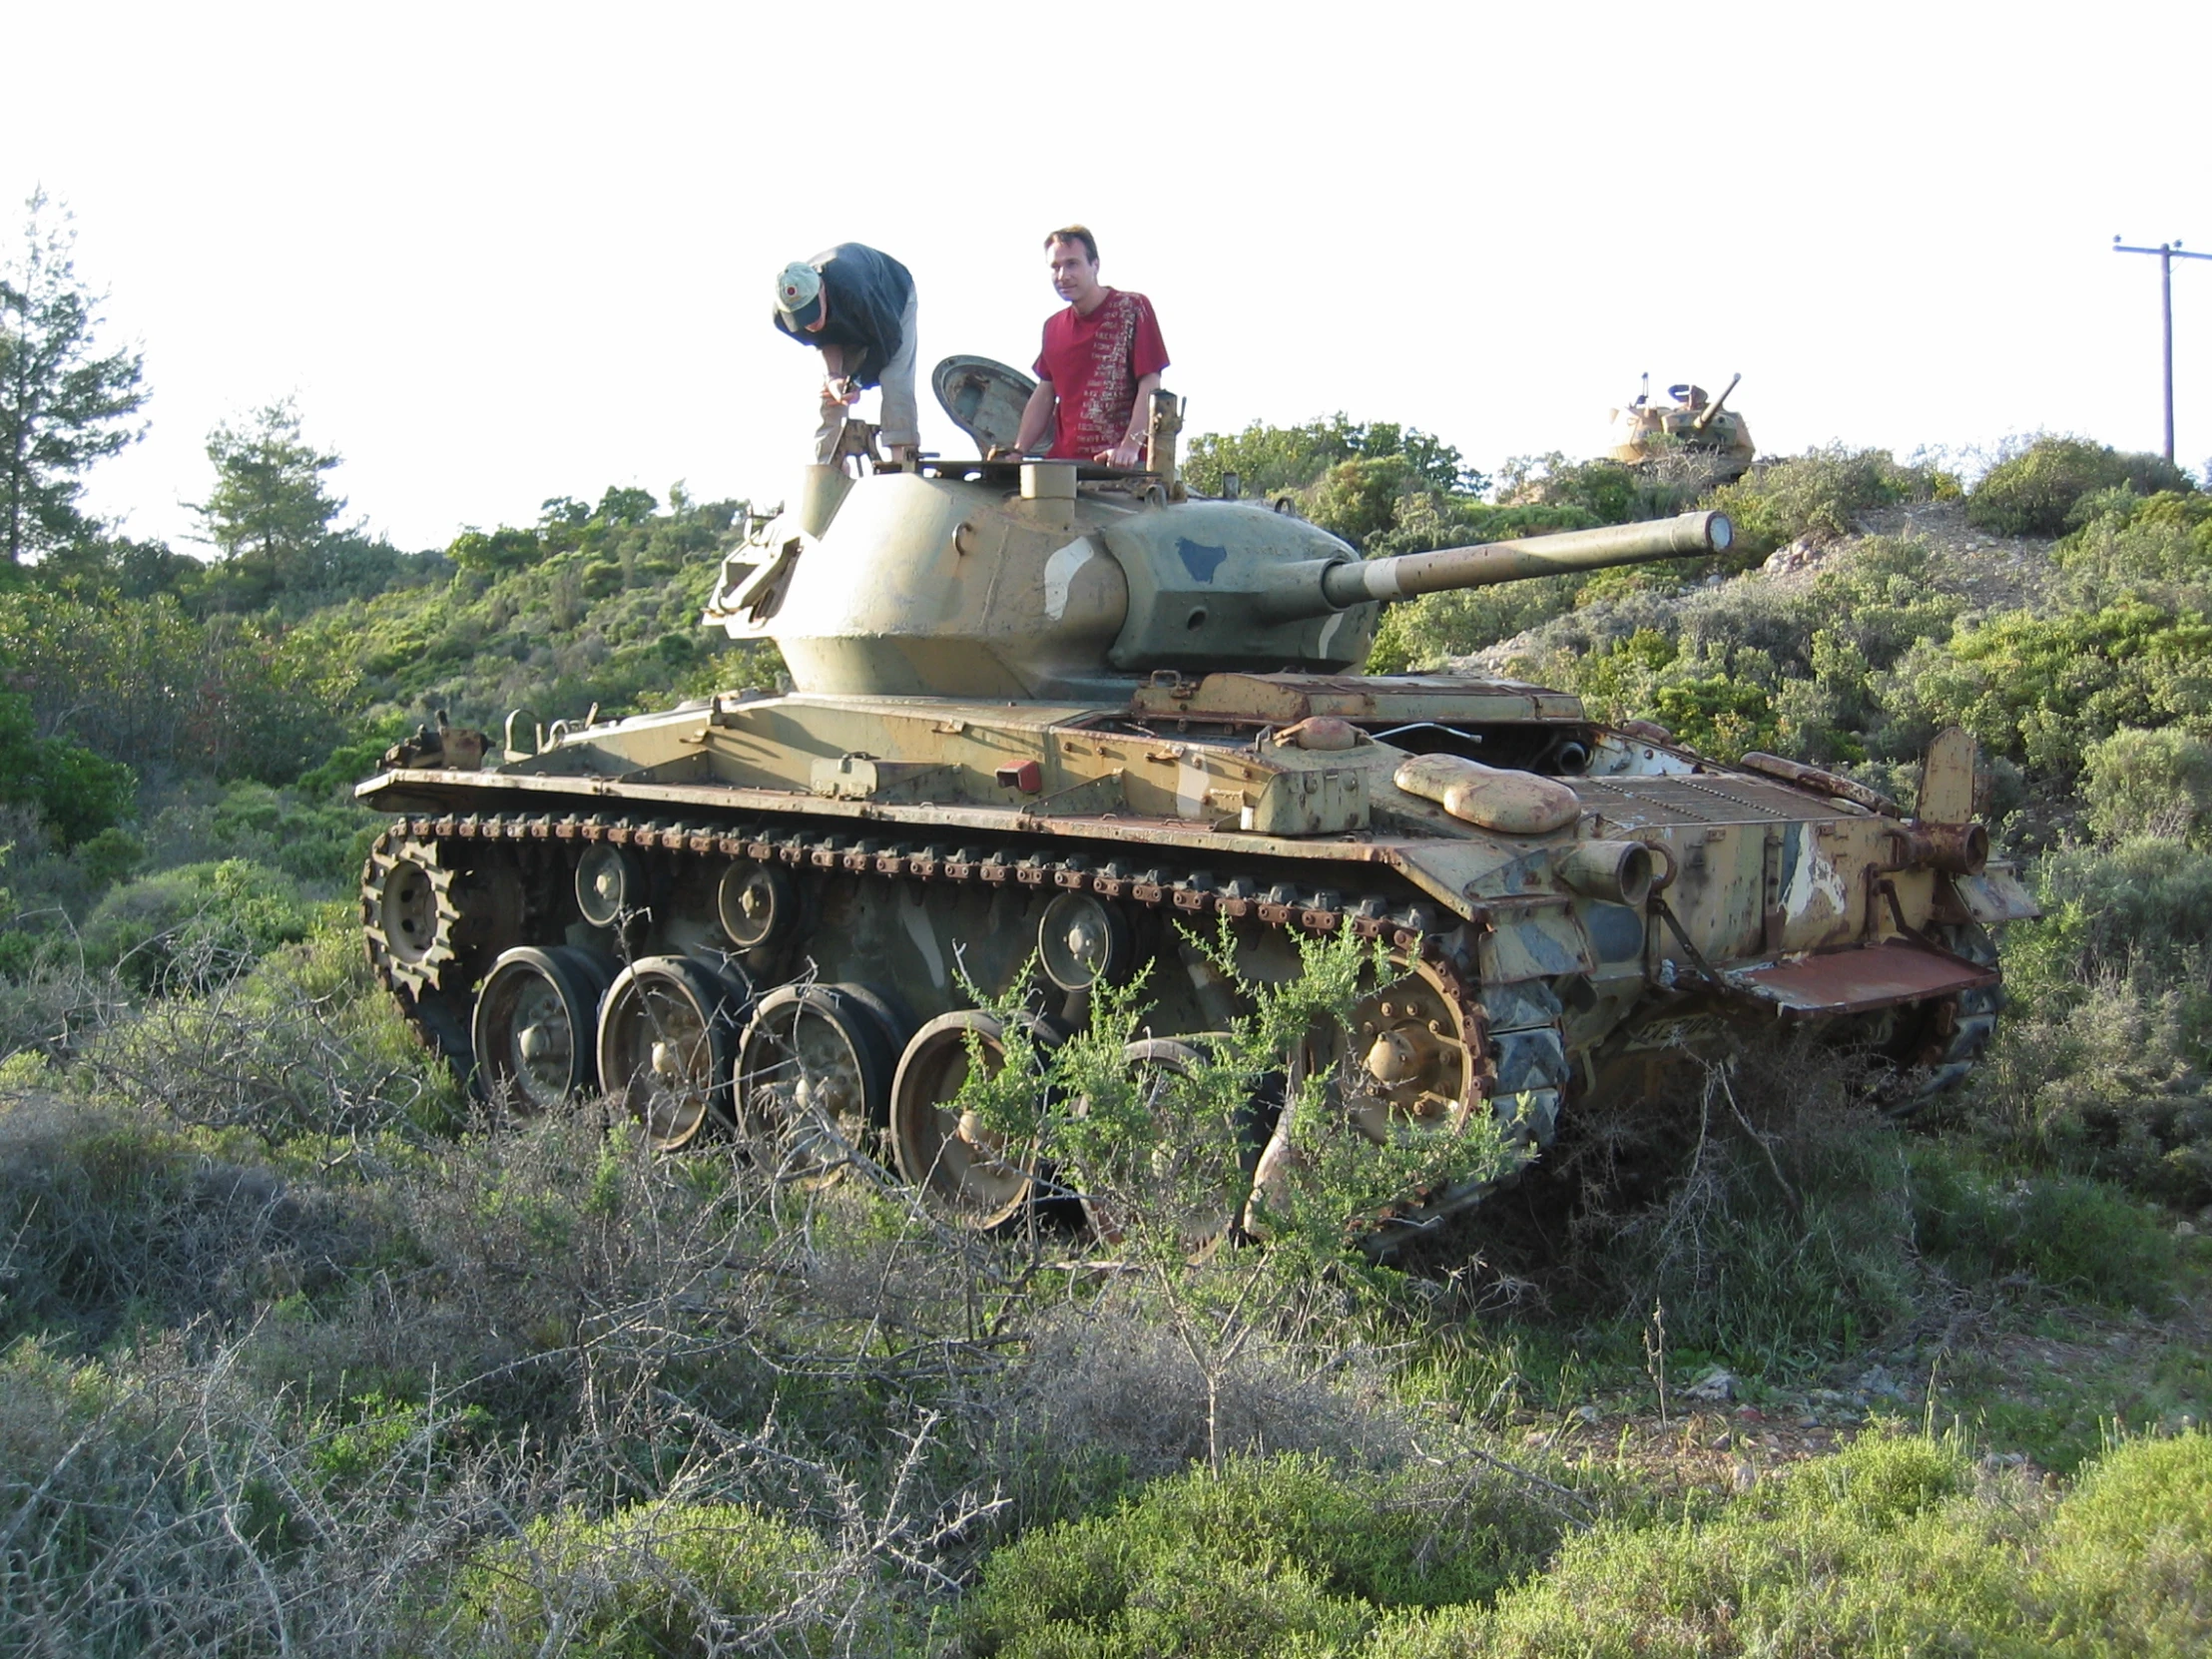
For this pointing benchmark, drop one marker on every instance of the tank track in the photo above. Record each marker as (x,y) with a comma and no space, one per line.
(1190,892)
(1417,932)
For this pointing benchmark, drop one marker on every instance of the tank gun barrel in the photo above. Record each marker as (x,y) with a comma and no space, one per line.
(1489,563)
(1712,411)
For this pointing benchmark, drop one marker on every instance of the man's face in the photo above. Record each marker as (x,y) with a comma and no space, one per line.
(1074,272)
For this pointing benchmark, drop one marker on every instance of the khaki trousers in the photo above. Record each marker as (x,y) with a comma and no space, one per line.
(900,421)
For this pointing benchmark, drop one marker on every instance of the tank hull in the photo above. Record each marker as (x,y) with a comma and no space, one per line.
(1580,908)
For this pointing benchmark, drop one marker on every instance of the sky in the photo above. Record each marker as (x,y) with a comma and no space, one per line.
(502,252)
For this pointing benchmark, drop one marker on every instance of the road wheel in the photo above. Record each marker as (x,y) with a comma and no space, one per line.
(536,1027)
(967,1173)
(813,1079)
(668,1039)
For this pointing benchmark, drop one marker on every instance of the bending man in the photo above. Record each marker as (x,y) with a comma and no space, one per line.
(1099,368)
(856,306)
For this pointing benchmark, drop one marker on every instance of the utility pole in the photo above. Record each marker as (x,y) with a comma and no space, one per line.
(2167,252)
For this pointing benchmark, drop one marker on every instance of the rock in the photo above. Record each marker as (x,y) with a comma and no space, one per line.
(1589,1413)
(1716,1385)
(1879,1385)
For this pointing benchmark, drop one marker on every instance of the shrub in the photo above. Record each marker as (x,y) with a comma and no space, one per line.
(2157,784)
(193,926)
(1281,1556)
(75,793)
(2070,1233)
(2034,492)
(1820,494)
(2105,1079)
(2039,687)
(1762,1204)
(304,1043)
(2128,1568)
(649,1580)
(1146,1383)
(116,1216)
(2144,903)
(1878,1549)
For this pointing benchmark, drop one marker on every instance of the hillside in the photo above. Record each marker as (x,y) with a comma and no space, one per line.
(306,1350)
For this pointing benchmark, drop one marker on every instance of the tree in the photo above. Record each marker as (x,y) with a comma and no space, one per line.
(62,405)
(268,501)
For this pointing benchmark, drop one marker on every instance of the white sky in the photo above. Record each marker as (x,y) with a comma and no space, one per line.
(502,252)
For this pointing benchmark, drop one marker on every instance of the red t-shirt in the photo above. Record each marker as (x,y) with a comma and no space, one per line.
(1094,363)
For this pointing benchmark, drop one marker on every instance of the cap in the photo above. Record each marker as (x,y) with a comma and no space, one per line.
(799,293)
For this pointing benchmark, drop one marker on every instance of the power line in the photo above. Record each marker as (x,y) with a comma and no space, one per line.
(2167,252)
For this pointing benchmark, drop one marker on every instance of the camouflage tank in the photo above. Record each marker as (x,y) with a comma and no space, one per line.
(1050,724)
(1689,428)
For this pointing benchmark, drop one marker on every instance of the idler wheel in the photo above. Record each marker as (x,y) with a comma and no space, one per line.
(667,1041)
(536,1027)
(814,1077)
(967,1173)
(409,911)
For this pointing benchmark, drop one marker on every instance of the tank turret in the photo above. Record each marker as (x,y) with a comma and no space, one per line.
(1690,428)
(1050,579)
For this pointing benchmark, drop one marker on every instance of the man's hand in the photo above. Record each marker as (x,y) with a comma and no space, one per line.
(839,388)
(1007,452)
(1126,454)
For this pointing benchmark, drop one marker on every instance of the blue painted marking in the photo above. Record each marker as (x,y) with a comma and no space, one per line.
(1199,561)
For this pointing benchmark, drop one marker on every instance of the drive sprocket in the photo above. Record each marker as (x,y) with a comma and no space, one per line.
(410,913)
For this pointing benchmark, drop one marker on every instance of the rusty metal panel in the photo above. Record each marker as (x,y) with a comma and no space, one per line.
(1855,981)
(1996,896)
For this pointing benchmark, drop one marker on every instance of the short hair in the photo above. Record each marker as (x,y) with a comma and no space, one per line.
(1077,233)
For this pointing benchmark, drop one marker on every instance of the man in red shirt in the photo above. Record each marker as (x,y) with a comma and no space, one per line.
(1100,365)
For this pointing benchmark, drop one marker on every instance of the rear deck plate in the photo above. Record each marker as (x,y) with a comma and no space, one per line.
(1857,980)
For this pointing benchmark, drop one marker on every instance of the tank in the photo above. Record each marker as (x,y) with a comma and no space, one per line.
(1690,428)
(1051,724)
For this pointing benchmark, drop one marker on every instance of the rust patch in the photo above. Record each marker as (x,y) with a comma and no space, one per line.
(1855,981)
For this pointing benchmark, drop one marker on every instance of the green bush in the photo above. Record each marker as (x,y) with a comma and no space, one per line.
(2157,784)
(2038,687)
(117,1216)
(1876,1550)
(2128,1565)
(2034,493)
(308,840)
(651,1580)
(2070,1233)
(1763,1204)
(1281,1555)
(196,926)
(2156,547)
(75,793)
(1821,493)
(2145,903)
